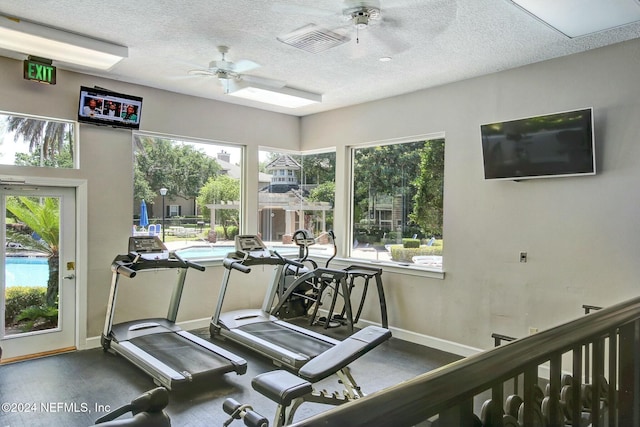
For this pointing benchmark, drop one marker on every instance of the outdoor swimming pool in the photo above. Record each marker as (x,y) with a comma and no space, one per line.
(217,252)
(26,271)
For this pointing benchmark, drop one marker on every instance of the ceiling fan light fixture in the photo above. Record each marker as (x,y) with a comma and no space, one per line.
(282,96)
(29,38)
(361,21)
(362,15)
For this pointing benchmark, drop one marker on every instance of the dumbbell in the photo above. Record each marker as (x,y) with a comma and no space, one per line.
(244,412)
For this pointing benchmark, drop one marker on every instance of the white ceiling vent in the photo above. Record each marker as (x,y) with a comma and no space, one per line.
(313,39)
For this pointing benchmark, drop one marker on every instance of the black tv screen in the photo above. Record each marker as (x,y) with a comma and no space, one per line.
(560,144)
(103,107)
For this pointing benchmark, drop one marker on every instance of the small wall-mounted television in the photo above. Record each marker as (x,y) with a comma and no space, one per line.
(552,145)
(103,107)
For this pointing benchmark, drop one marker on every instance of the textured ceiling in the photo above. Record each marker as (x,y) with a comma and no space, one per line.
(431,42)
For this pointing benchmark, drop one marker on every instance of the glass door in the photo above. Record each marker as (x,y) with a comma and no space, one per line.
(37,271)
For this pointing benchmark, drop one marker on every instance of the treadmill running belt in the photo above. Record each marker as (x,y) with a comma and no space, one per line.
(282,336)
(182,355)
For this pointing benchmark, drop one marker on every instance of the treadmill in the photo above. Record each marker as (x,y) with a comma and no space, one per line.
(257,329)
(171,356)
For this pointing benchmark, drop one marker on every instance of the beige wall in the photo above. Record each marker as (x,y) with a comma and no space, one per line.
(106,163)
(582,234)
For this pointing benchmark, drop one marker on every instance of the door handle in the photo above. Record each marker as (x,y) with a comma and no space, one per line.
(70,276)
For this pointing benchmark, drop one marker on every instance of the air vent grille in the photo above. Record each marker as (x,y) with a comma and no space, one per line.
(313,39)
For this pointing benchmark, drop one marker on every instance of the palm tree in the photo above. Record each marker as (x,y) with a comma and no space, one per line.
(42,216)
(44,135)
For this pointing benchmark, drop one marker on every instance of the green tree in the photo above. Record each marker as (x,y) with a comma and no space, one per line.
(384,171)
(318,168)
(325,192)
(179,167)
(47,139)
(61,160)
(216,190)
(427,202)
(42,216)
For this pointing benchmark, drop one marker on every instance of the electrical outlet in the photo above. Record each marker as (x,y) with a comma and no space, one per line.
(523,257)
(533,330)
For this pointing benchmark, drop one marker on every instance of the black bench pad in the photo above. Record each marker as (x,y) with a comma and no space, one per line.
(331,361)
(281,386)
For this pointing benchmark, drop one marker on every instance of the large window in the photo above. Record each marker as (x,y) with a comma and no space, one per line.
(34,141)
(201,185)
(397,202)
(296,191)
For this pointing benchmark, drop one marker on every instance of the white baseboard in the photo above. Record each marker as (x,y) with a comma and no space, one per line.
(428,341)
(425,340)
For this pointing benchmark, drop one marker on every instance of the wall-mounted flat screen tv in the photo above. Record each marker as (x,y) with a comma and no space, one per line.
(552,145)
(103,107)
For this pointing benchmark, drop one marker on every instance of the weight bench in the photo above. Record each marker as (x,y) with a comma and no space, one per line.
(289,391)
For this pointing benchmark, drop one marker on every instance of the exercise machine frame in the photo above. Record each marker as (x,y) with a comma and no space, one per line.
(257,329)
(208,360)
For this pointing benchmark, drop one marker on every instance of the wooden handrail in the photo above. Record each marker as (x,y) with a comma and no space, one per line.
(449,390)
(498,338)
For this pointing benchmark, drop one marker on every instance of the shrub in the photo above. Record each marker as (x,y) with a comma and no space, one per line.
(37,318)
(411,243)
(232,231)
(18,298)
(402,254)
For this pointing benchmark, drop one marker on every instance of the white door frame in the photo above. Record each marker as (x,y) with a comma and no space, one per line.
(81,189)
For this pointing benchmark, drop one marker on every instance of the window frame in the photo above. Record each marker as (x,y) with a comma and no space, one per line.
(75,144)
(286,176)
(242,164)
(347,249)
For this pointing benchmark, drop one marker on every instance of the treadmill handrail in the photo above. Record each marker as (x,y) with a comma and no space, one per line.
(134,262)
(289,261)
(120,267)
(188,263)
(274,259)
(234,264)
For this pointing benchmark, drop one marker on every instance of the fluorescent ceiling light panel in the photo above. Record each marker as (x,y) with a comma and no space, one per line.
(33,39)
(576,18)
(282,96)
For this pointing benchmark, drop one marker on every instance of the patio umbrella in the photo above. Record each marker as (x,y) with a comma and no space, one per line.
(144,217)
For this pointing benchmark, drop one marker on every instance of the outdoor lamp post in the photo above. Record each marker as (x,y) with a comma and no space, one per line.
(163,192)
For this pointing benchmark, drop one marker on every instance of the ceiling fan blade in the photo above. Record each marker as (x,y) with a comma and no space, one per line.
(201,72)
(244,65)
(390,43)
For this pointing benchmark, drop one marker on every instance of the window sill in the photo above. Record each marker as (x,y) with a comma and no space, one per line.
(408,269)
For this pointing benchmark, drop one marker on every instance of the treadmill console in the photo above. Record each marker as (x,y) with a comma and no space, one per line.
(252,246)
(148,247)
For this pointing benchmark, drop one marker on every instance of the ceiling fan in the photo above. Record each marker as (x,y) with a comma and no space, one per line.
(377,17)
(228,72)
(359,16)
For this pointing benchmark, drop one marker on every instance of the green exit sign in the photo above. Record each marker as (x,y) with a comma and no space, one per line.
(39,70)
